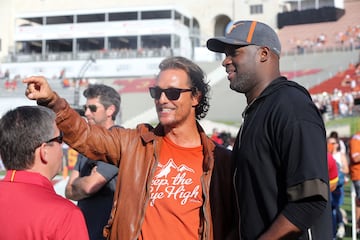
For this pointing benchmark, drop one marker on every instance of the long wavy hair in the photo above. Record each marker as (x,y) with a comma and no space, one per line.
(197,80)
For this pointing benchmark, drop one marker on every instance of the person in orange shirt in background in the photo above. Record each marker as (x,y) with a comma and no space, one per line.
(354,151)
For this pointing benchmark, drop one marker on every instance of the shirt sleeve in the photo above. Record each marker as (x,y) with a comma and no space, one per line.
(306,160)
(78,163)
(304,214)
(354,145)
(74,226)
(108,171)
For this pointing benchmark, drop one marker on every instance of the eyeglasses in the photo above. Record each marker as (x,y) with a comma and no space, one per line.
(58,139)
(92,107)
(171,93)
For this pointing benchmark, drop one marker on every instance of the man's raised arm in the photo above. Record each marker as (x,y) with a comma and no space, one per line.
(97,145)
(38,89)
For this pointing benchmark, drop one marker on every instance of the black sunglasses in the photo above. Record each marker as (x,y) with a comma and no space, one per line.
(92,107)
(58,139)
(171,93)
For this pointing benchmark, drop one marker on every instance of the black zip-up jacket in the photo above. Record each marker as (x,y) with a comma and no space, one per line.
(281,158)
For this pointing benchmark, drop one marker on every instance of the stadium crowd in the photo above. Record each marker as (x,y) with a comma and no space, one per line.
(348,37)
(344,99)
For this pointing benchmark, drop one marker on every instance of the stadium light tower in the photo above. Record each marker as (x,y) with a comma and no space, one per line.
(81,75)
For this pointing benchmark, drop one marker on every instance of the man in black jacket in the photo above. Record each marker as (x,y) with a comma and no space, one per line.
(281,176)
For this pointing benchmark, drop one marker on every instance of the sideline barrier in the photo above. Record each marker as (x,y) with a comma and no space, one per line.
(353,212)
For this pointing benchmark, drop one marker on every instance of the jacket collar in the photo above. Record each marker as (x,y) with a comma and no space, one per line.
(148,133)
(273,87)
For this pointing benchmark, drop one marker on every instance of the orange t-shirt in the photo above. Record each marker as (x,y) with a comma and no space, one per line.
(354,149)
(176,195)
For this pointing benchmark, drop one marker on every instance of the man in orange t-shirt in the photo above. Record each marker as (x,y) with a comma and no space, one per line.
(173,180)
(354,147)
(177,184)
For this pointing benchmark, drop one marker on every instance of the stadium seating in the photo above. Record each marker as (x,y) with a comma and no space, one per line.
(306,35)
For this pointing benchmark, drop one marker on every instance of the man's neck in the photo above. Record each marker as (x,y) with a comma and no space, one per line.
(109,124)
(185,136)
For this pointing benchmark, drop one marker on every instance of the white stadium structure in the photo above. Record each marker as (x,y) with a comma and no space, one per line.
(120,43)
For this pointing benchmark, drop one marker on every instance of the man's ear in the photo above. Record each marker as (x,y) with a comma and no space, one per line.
(110,110)
(43,152)
(196,96)
(264,54)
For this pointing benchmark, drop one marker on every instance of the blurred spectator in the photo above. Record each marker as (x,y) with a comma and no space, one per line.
(354,153)
(216,137)
(337,196)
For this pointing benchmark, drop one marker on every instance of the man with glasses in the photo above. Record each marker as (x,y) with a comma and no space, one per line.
(173,181)
(92,183)
(30,147)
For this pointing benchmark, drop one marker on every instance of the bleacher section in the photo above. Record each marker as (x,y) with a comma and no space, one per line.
(329,64)
(342,81)
(302,35)
(225,104)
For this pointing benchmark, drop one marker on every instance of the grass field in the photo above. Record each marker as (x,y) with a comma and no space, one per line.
(347,208)
(353,122)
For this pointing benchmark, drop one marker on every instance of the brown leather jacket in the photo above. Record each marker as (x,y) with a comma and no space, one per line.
(135,152)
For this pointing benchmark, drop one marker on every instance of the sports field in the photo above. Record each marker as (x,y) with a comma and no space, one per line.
(347,208)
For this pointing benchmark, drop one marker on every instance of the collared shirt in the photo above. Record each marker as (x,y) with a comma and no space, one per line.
(31,209)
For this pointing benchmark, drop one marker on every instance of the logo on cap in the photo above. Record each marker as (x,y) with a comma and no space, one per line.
(234,26)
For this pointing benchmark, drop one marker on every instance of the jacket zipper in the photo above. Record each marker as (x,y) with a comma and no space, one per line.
(237,203)
(309,234)
(205,223)
(235,172)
